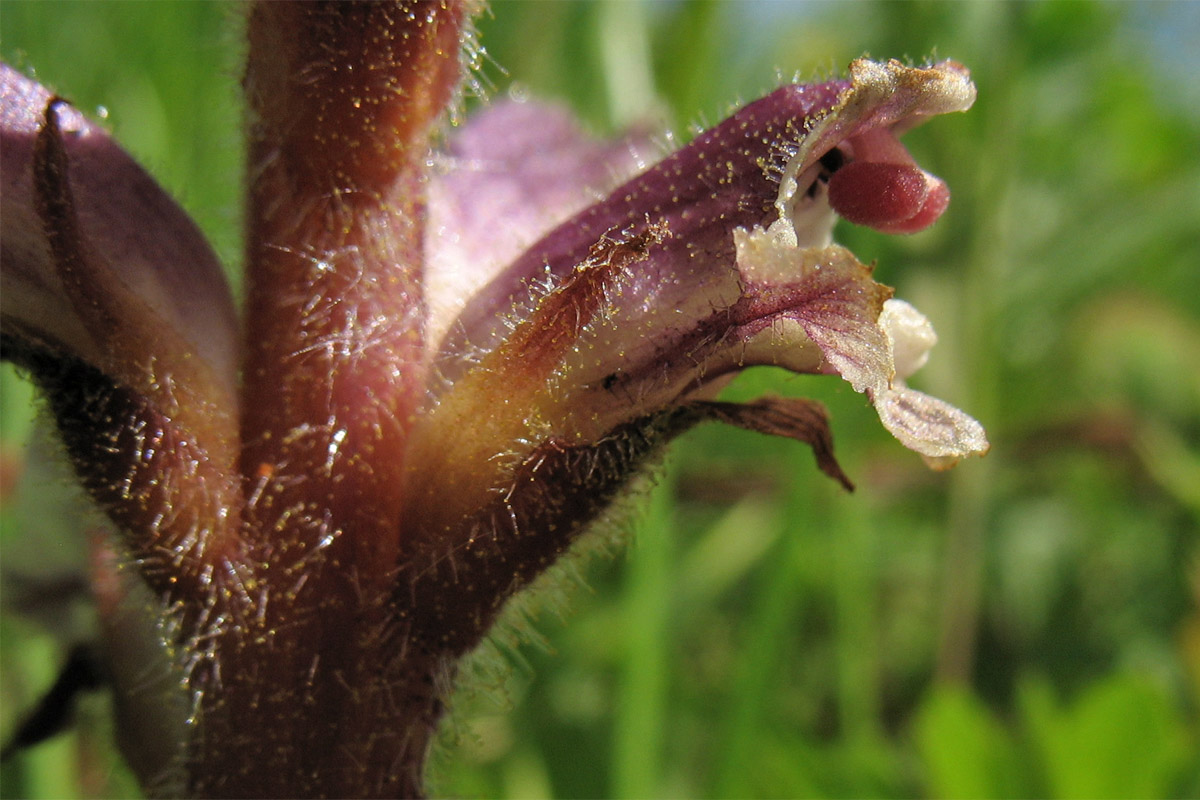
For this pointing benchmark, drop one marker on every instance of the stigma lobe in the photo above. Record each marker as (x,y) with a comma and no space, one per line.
(893,198)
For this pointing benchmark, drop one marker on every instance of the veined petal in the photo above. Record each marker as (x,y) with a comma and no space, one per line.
(874,344)
(941,433)
(769,165)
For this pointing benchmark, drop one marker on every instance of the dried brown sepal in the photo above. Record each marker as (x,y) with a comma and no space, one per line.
(562,315)
(796,418)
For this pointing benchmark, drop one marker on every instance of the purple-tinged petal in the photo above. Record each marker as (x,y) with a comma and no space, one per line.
(873,345)
(514,172)
(884,101)
(145,262)
(941,433)
(118,309)
(716,259)
(726,178)
(766,166)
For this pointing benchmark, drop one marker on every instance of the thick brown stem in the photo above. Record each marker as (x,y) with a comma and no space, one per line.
(343,97)
(304,697)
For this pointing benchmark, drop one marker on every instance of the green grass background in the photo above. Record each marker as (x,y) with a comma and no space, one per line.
(1026,625)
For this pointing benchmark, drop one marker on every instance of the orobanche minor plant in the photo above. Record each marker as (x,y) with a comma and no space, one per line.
(451,358)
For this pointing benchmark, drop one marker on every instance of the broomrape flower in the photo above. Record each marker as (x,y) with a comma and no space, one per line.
(454,353)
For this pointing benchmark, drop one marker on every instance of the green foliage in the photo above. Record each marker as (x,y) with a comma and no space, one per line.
(1023,626)
(965,751)
(1121,737)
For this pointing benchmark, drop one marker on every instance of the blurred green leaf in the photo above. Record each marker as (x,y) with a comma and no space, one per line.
(964,751)
(1121,737)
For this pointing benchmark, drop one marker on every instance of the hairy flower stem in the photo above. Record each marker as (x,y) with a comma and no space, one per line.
(343,98)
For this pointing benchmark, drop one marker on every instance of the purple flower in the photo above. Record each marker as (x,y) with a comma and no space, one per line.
(450,360)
